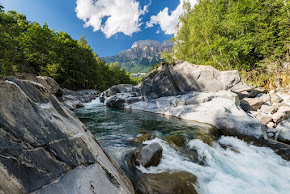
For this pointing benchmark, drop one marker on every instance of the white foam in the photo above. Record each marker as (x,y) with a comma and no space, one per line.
(93,103)
(45,105)
(240,168)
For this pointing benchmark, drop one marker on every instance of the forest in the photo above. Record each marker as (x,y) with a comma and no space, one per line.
(31,48)
(252,36)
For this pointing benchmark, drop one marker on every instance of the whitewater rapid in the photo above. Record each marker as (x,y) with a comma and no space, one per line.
(239,168)
(229,166)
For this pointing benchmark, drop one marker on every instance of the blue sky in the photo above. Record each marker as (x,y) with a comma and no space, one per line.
(106,40)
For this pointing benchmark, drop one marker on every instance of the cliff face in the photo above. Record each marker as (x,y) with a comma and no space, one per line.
(142,56)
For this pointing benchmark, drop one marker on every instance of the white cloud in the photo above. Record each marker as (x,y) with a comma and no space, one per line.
(168,21)
(121,15)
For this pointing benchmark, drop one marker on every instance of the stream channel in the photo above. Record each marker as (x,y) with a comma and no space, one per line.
(196,158)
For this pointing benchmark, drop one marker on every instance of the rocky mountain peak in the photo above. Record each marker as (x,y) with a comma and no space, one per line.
(151,43)
(142,56)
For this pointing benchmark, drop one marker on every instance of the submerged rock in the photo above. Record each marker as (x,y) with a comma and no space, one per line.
(41,141)
(149,155)
(167,183)
(176,140)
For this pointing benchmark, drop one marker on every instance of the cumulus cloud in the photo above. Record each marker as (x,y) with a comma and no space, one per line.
(111,16)
(168,21)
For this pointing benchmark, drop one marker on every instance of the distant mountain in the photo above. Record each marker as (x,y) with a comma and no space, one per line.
(142,56)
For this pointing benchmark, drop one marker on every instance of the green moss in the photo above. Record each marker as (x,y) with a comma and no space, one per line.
(176,140)
(141,138)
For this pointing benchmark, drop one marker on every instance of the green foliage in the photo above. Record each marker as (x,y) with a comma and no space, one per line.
(231,34)
(32,48)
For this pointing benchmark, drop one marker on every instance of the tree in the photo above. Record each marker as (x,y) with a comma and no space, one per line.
(32,48)
(247,35)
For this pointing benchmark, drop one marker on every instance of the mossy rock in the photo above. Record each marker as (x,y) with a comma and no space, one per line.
(143,137)
(208,136)
(176,140)
(167,183)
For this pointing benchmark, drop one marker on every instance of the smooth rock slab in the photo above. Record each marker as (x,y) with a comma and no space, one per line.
(41,140)
(220,109)
(91,179)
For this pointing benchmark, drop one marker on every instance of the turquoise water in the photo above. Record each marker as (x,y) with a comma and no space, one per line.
(221,165)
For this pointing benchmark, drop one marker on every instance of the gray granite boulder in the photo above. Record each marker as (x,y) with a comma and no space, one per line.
(73,100)
(121,88)
(149,155)
(44,148)
(174,79)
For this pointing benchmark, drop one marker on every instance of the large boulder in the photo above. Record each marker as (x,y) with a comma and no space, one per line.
(73,100)
(83,96)
(174,79)
(121,99)
(149,155)
(121,88)
(44,148)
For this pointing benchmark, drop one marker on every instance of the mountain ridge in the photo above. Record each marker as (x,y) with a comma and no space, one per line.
(142,55)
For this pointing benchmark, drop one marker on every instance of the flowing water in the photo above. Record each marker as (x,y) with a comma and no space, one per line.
(221,165)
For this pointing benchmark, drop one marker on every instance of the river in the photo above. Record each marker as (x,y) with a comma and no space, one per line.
(221,165)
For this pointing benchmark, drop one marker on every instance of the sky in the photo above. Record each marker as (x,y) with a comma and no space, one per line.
(110,26)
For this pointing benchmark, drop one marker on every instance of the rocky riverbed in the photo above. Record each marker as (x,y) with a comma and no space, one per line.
(44,148)
(196,157)
(204,94)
